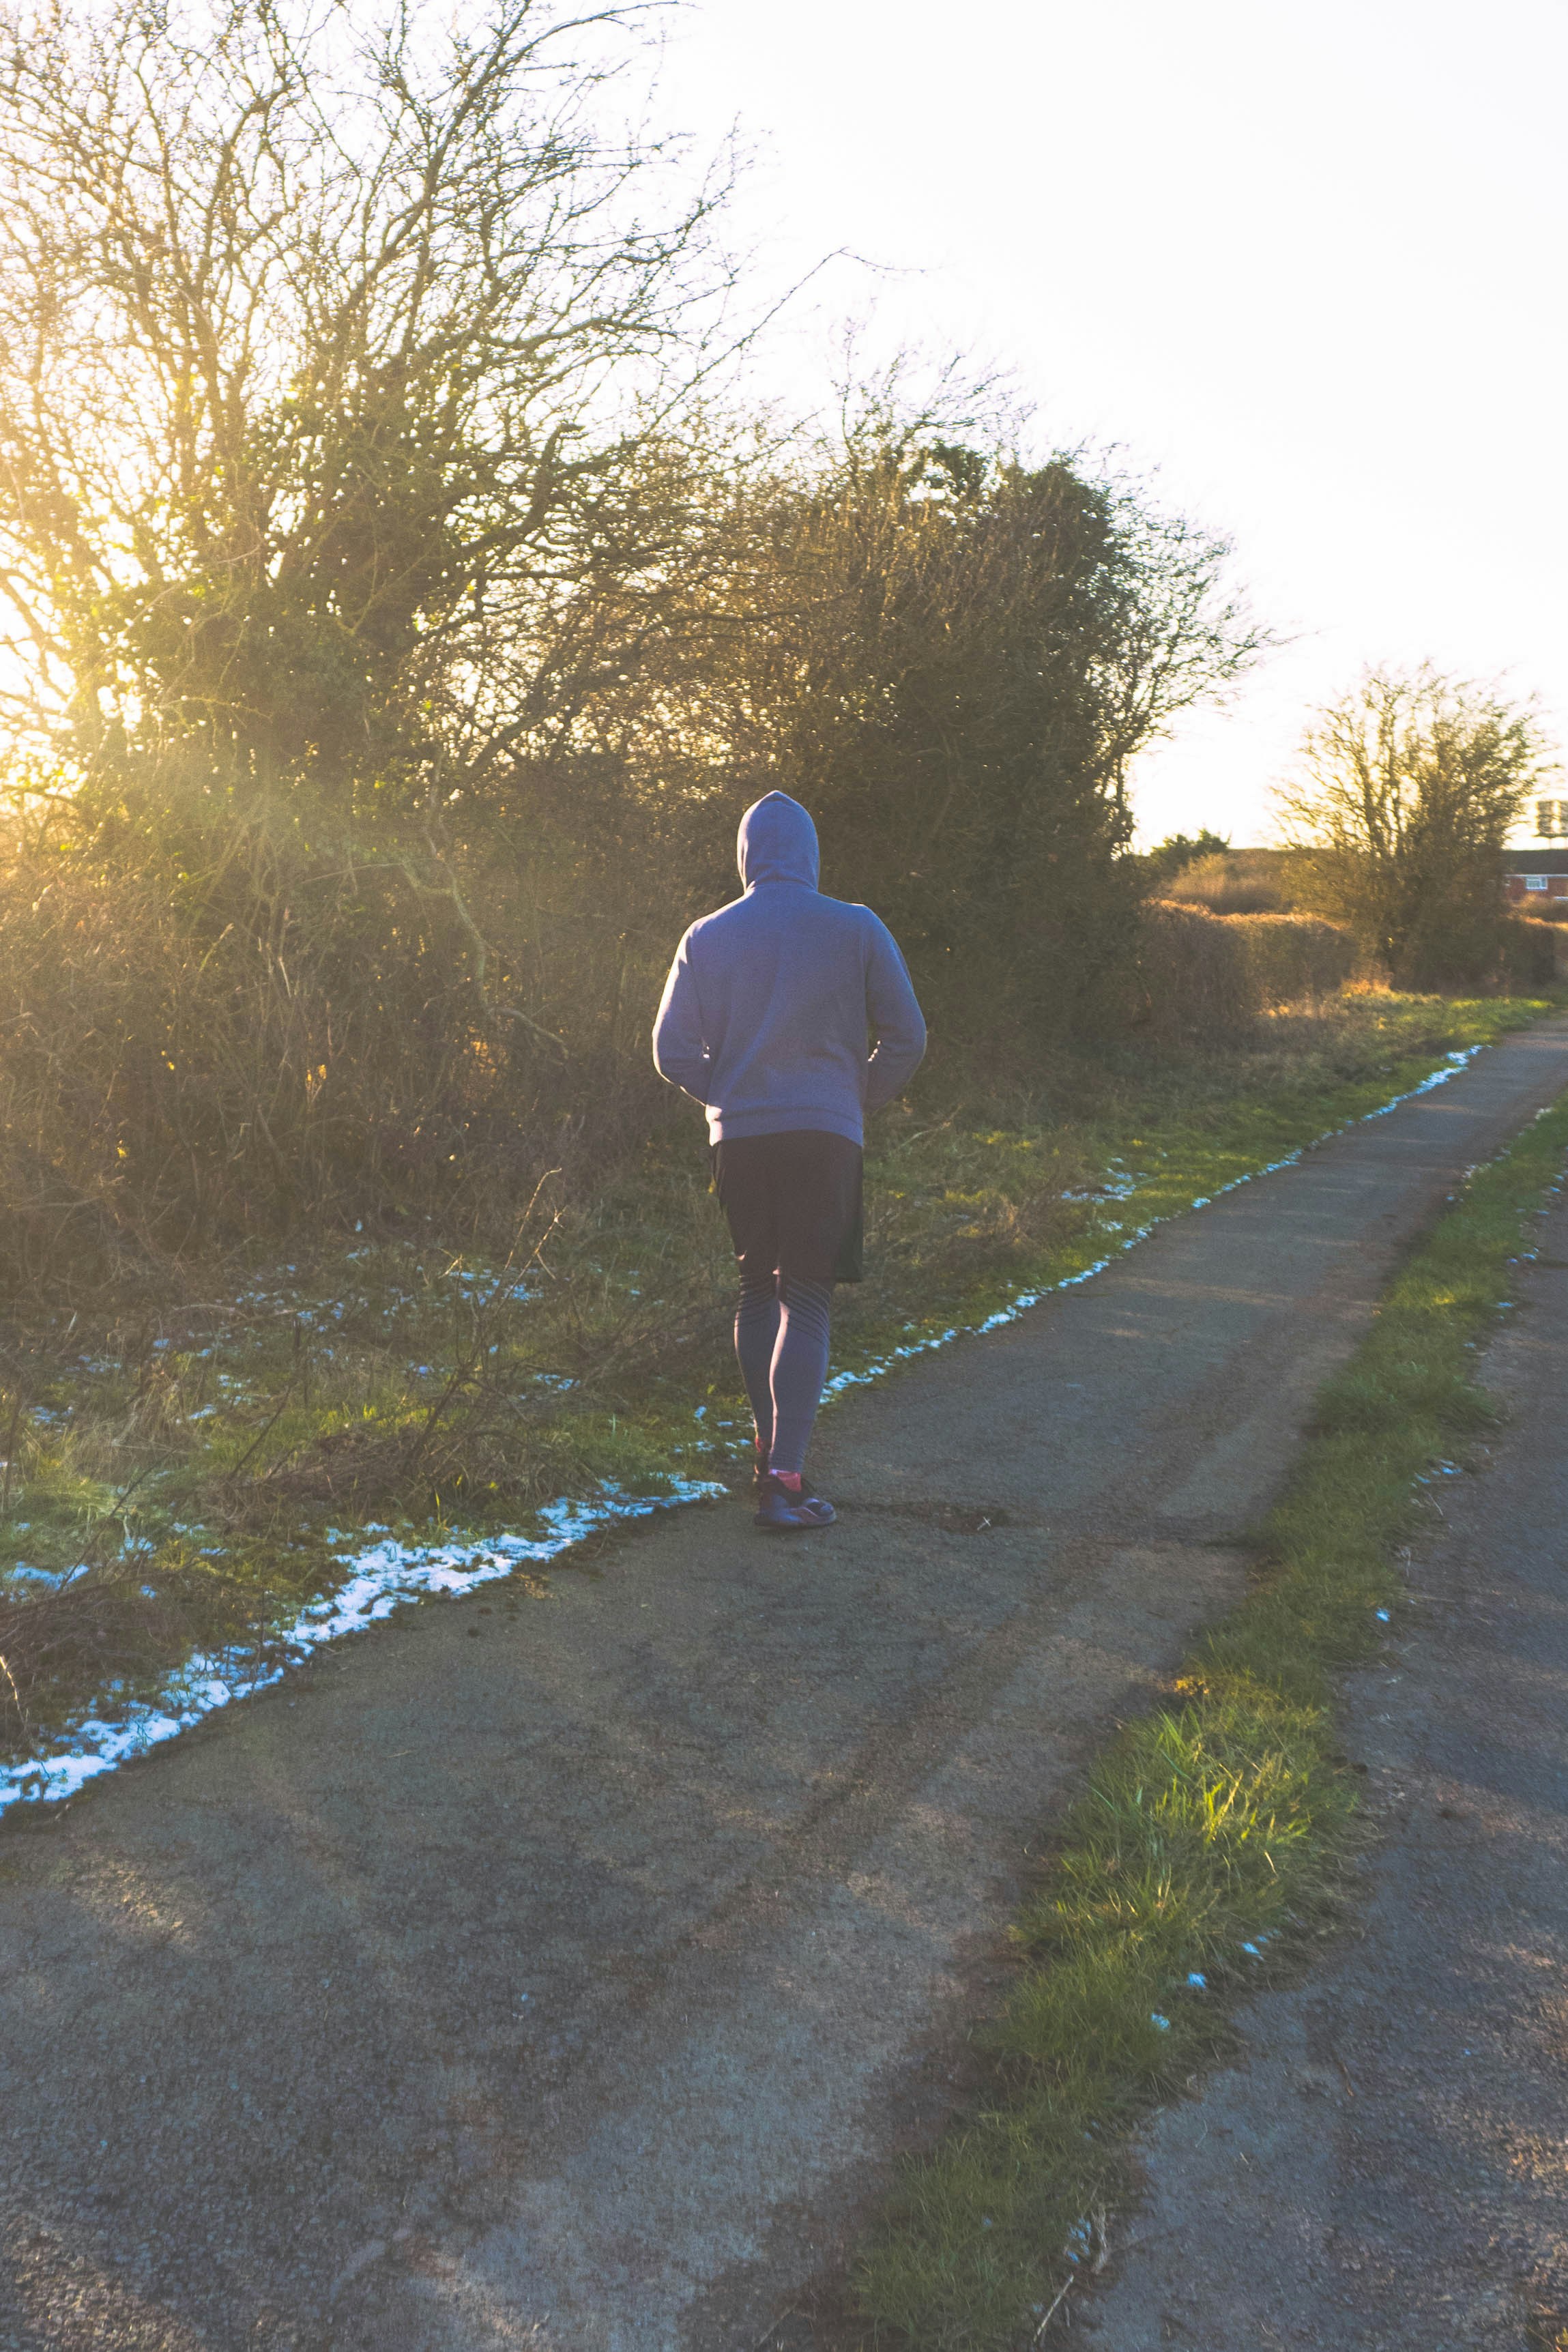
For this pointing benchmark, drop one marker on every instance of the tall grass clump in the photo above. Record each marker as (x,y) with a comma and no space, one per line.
(1210,1845)
(1235,882)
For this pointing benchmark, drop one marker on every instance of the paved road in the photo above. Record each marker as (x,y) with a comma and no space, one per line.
(563,1972)
(1388,2170)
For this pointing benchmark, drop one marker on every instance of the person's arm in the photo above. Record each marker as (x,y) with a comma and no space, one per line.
(896,1017)
(679,1053)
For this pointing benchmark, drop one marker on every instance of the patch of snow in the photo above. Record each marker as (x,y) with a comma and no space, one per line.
(380,1578)
(1118,1182)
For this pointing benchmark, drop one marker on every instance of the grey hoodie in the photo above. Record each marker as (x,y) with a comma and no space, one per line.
(770,1002)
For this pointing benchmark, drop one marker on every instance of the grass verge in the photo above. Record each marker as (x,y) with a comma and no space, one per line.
(1212,1839)
(187,1473)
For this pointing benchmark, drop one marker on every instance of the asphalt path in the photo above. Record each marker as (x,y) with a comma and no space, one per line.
(1388,2169)
(564,1966)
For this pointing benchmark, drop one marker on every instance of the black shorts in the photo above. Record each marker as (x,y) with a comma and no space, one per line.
(795,1203)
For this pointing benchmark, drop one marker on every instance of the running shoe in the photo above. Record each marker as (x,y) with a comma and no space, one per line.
(781,1511)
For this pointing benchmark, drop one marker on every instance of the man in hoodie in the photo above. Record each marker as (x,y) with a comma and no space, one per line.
(767,1015)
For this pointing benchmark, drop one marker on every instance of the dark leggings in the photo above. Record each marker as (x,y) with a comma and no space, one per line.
(781,1338)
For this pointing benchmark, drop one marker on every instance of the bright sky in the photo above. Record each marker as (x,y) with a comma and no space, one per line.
(1305,262)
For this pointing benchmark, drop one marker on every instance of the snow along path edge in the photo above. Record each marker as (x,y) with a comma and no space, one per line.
(383,1577)
(386,1574)
(1023,1299)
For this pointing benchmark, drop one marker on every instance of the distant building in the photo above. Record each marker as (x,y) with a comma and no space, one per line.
(1534,879)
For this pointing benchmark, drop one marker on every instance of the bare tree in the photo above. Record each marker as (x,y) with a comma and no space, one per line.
(328,351)
(1177,633)
(1409,784)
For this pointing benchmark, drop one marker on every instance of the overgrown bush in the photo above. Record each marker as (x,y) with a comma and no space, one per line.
(1295,958)
(1533,953)
(219,1021)
(1207,978)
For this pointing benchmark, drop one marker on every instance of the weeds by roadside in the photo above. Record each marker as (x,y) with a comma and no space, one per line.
(183,1477)
(1211,1841)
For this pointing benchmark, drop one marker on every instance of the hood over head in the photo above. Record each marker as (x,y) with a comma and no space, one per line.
(777,842)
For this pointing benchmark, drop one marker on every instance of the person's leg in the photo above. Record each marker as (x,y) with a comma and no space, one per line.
(793,1204)
(743,1177)
(818,1180)
(798,1370)
(756,1339)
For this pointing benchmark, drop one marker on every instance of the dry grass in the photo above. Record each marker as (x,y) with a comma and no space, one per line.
(237,1027)
(1237,882)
